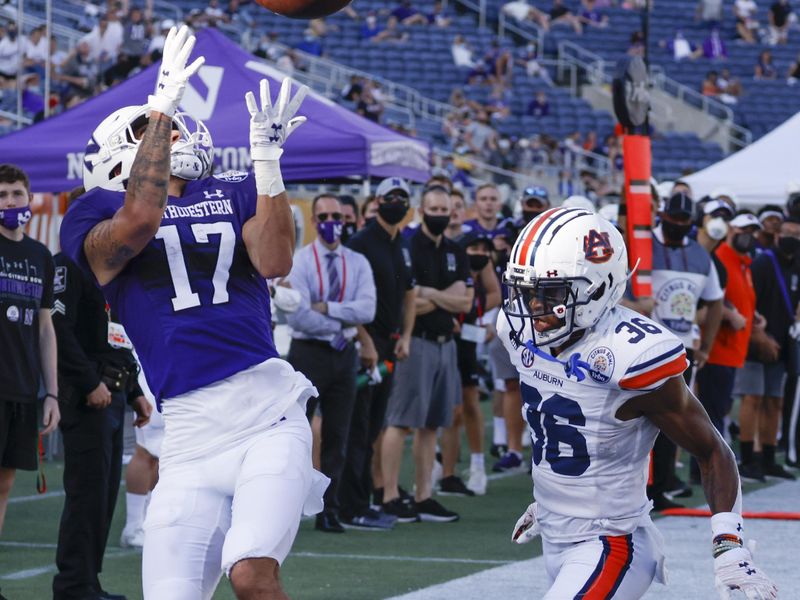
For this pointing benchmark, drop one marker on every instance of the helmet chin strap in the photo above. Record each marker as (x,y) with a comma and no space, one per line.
(187,166)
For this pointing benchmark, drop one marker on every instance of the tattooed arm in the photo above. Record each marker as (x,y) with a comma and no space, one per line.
(676,412)
(113,242)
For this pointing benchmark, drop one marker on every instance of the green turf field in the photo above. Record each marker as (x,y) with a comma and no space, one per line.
(355,566)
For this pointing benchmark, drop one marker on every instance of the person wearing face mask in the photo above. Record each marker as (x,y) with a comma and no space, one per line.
(716,379)
(431,386)
(761,381)
(27,335)
(712,230)
(684,279)
(349,216)
(369,211)
(337,293)
(386,338)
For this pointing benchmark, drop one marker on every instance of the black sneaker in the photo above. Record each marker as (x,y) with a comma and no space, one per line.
(328,522)
(431,510)
(454,486)
(752,471)
(776,470)
(498,450)
(404,512)
(405,496)
(661,502)
(679,489)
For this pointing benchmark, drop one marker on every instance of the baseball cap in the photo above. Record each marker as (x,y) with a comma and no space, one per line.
(713,206)
(475,237)
(391,184)
(745,220)
(536,191)
(679,205)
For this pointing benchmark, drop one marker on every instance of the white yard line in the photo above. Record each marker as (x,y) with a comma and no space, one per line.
(45,569)
(35,497)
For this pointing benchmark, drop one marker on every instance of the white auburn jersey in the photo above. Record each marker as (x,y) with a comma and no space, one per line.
(590,469)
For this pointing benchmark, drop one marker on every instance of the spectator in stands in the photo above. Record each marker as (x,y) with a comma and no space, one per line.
(591,16)
(709,13)
(479,136)
(311,43)
(746,20)
(636,47)
(539,106)
(762,379)
(710,85)
(561,15)
(793,74)
(529,58)
(771,217)
(713,47)
(10,48)
(213,14)
(590,141)
(134,46)
(498,64)
(338,293)
(406,14)
(37,48)
(498,104)
(521,10)
(437,16)
(780,18)
(462,53)
(430,375)
(352,90)
(368,106)
(728,85)
(679,47)
(79,75)
(104,41)
(371,29)
(765,68)
(27,334)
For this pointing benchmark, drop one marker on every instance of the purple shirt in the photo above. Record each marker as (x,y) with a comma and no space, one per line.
(191,302)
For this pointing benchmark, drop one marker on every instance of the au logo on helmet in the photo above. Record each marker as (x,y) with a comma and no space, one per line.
(597,246)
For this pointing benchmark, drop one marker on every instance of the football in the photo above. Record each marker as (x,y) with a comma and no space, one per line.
(304,9)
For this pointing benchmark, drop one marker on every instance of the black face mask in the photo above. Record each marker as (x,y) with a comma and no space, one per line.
(477,262)
(788,245)
(744,242)
(393,212)
(530,215)
(348,231)
(674,232)
(369,221)
(436,224)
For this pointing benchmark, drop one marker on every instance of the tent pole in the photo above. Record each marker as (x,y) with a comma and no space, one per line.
(47,33)
(20,50)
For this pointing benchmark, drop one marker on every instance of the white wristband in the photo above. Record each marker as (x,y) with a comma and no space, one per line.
(268,177)
(727,522)
(162,105)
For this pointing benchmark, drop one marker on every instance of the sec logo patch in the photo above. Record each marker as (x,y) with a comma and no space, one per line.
(602,362)
(527,358)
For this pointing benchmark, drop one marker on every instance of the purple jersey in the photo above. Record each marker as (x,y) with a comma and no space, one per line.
(191,302)
(499,230)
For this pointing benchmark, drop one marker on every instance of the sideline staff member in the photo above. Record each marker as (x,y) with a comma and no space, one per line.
(97,373)
(27,338)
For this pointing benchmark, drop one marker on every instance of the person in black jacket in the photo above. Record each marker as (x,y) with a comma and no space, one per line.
(97,376)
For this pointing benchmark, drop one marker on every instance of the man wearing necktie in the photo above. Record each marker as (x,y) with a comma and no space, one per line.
(337,293)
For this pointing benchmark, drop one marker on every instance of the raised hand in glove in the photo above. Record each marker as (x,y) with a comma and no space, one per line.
(173,72)
(527,527)
(735,570)
(271,126)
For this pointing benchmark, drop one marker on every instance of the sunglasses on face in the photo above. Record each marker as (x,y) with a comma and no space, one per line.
(335,216)
(533,203)
(722,214)
(399,197)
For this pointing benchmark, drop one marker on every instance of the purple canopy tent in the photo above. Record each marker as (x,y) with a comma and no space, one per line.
(334,143)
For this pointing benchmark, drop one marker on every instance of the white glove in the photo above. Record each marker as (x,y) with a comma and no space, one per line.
(287,299)
(173,74)
(527,527)
(269,129)
(734,570)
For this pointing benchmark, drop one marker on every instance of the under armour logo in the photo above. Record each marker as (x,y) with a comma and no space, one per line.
(215,194)
(552,273)
(744,564)
(276,128)
(750,571)
(161,85)
(738,527)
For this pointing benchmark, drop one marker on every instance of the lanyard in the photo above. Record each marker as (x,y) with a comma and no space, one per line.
(319,274)
(781,282)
